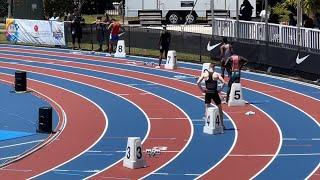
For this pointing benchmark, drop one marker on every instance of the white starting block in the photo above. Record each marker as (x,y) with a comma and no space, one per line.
(213,123)
(171,62)
(206,66)
(121,50)
(134,154)
(236,97)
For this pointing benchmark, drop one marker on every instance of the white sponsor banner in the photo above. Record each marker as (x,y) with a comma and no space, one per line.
(37,32)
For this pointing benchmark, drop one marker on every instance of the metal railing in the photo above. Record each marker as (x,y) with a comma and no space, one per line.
(278,34)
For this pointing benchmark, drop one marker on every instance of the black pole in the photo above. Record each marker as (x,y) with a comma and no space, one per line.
(237,19)
(129,39)
(200,47)
(10,4)
(91,30)
(266,23)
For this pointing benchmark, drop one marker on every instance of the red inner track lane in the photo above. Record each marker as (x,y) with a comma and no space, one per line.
(153,106)
(78,134)
(269,137)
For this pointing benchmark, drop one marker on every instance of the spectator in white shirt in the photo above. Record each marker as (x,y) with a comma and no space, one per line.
(54,17)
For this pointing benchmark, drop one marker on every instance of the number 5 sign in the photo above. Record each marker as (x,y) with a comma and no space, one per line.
(236,97)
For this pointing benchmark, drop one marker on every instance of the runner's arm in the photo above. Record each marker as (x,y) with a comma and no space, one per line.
(227,64)
(221,79)
(244,61)
(221,52)
(199,83)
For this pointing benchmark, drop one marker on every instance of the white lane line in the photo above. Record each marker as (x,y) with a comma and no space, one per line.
(192,174)
(271,155)
(87,154)
(166,174)
(9,157)
(301,139)
(173,174)
(105,177)
(141,84)
(19,144)
(69,174)
(17,170)
(144,93)
(74,170)
(183,118)
(290,139)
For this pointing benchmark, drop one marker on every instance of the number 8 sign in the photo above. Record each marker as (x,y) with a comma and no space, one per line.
(120,52)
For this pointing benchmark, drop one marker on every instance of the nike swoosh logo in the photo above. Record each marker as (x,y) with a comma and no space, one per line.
(210,48)
(300,60)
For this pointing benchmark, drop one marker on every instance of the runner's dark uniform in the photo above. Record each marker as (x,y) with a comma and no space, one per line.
(212,92)
(235,73)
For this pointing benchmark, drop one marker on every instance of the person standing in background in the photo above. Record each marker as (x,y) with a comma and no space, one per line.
(234,64)
(226,51)
(164,44)
(100,31)
(115,29)
(76,29)
(107,22)
(246,10)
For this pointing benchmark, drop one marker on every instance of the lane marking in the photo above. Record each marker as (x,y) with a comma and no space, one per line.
(9,157)
(17,170)
(24,143)
(69,174)
(74,170)
(105,177)
(271,155)
(174,174)
(181,118)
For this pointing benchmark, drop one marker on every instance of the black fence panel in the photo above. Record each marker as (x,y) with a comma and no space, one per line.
(258,53)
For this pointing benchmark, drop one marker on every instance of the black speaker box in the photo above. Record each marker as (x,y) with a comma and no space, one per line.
(20,83)
(45,120)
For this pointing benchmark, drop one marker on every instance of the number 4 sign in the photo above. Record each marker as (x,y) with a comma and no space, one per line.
(236,97)
(212,122)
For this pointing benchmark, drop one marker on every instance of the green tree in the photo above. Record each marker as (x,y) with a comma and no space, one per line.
(309,6)
(58,6)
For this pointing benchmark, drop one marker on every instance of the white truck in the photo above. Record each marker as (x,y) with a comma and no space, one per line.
(175,11)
